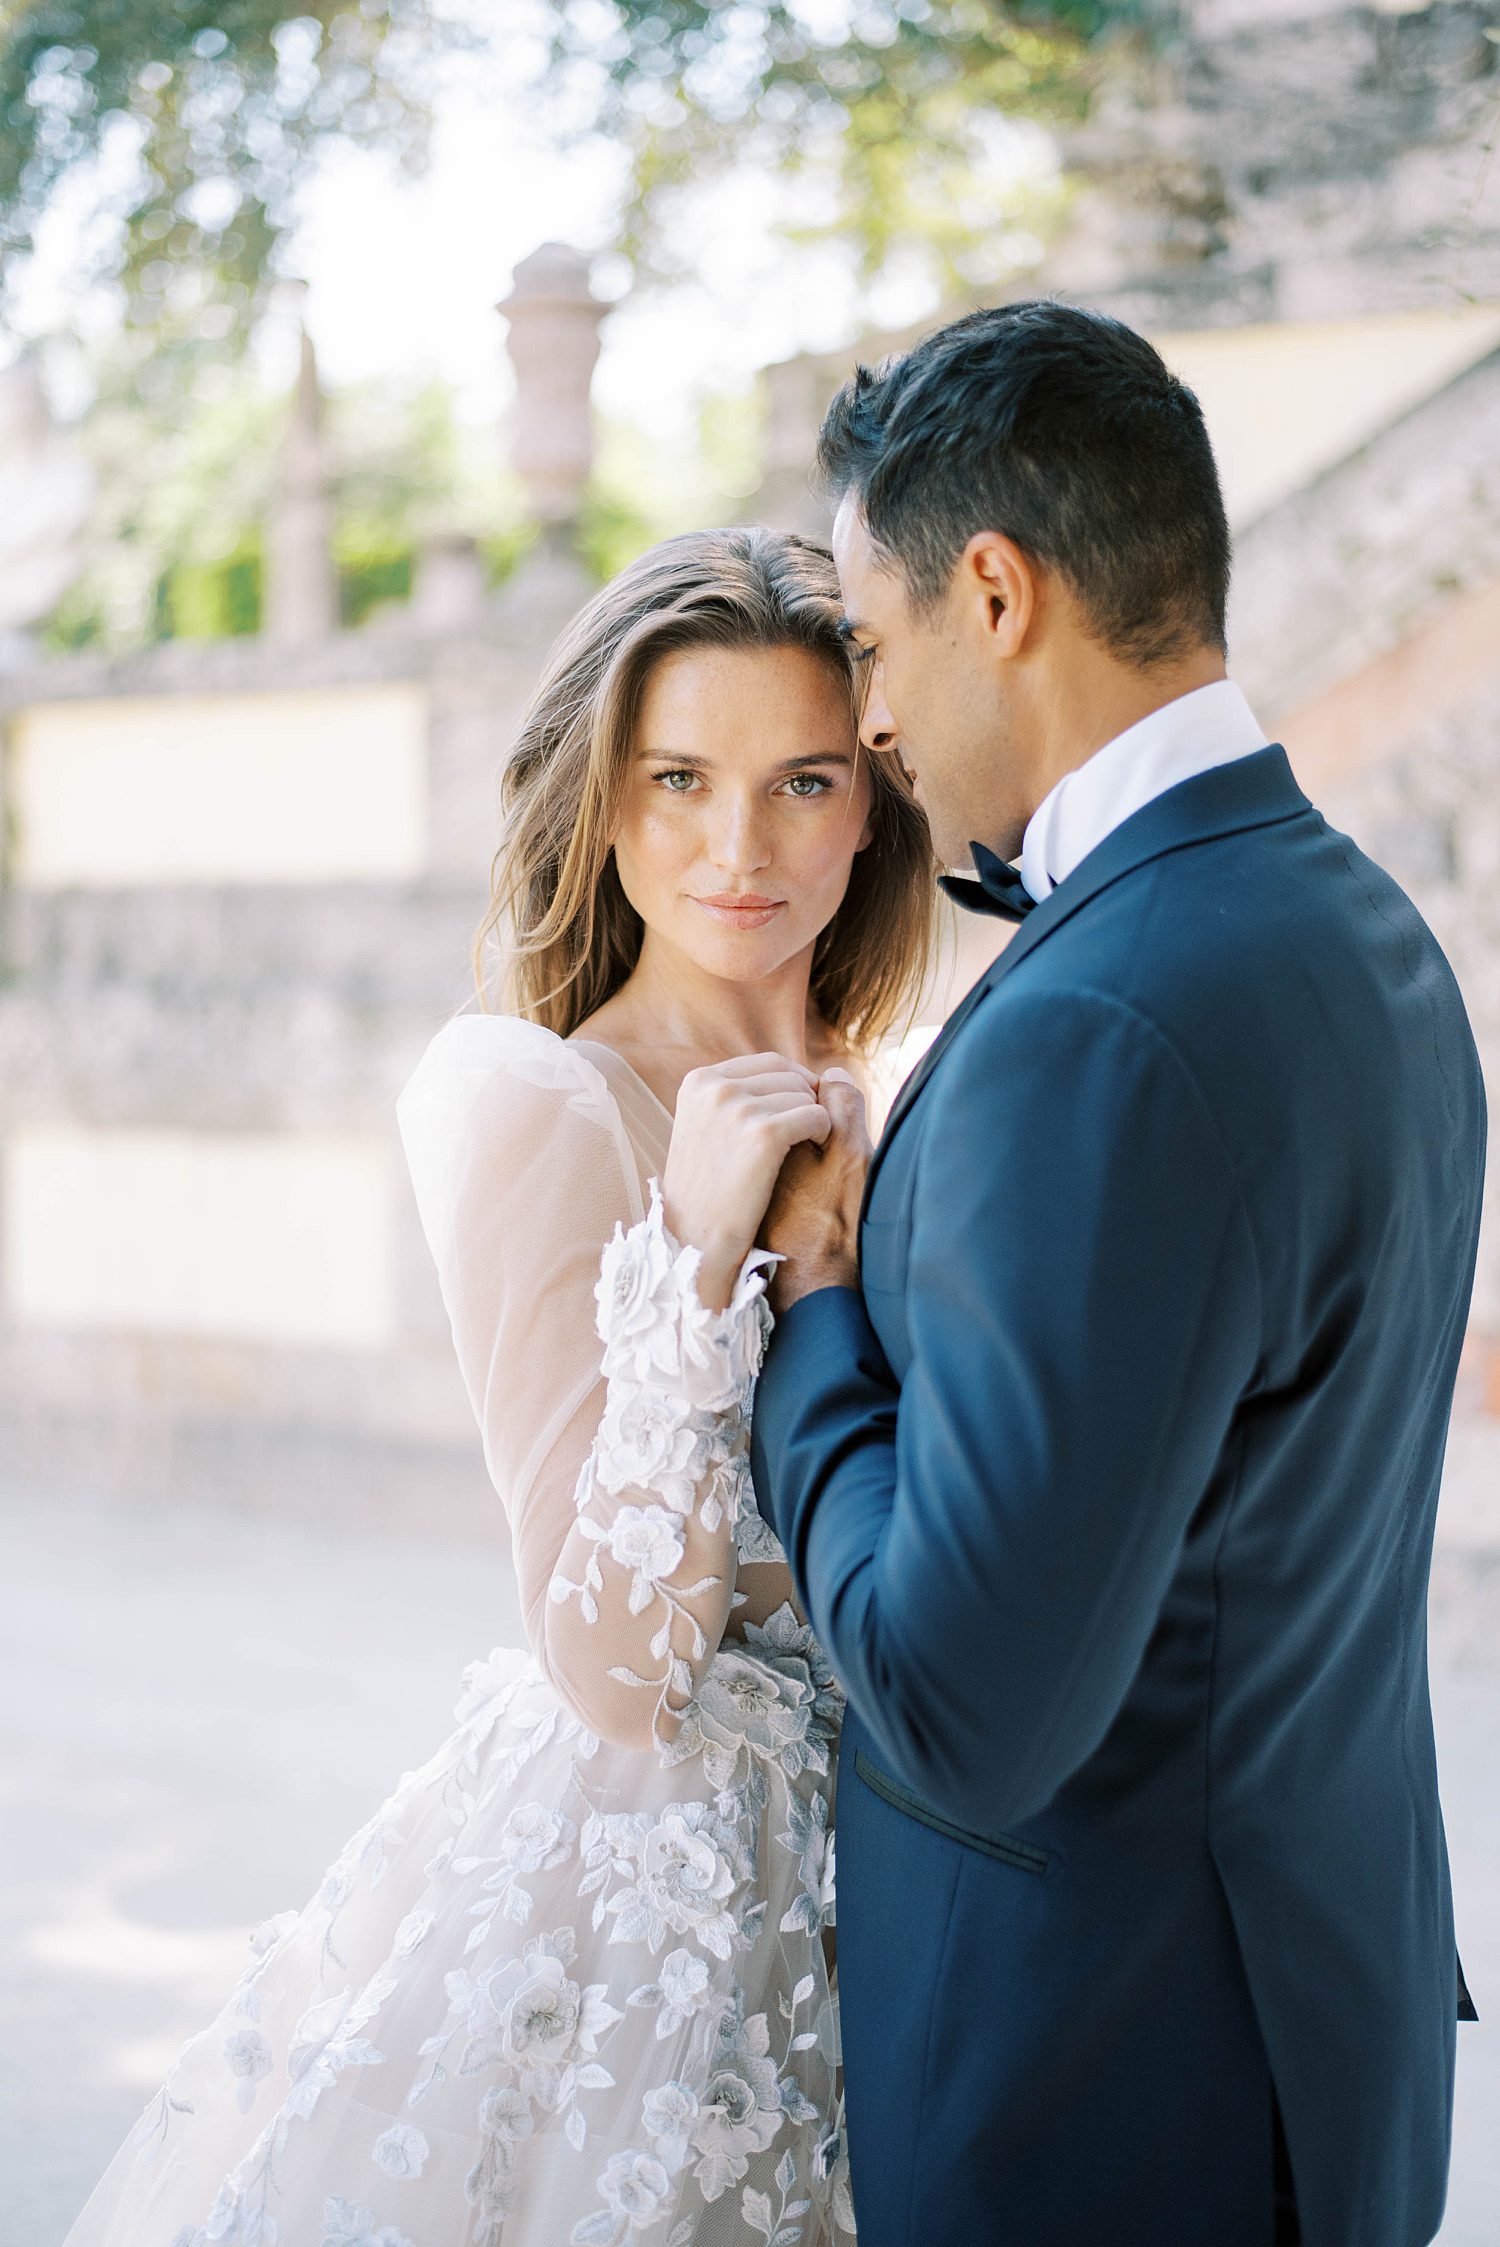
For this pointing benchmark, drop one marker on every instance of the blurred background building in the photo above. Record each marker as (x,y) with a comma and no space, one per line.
(245,847)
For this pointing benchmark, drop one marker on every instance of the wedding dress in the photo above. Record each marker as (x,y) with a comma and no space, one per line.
(569,1984)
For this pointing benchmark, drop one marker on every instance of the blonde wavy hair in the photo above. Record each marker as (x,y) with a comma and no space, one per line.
(564,933)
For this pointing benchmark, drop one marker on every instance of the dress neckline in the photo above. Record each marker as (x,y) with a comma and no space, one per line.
(602,1045)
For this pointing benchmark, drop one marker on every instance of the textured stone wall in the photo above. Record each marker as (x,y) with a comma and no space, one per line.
(269,1009)
(1365,626)
(1292,159)
(1375,549)
(1430,813)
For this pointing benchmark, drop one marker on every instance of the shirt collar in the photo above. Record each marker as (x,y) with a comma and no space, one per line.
(1211,726)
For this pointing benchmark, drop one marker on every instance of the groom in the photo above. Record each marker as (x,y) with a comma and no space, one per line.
(1103,1420)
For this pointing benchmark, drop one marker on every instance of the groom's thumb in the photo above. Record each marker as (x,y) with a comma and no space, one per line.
(842,1098)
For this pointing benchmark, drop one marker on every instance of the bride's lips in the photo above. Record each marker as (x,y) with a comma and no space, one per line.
(736,911)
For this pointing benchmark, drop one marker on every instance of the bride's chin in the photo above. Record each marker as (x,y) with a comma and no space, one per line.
(739,958)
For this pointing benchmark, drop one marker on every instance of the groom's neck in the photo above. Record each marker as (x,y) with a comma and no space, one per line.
(1094,696)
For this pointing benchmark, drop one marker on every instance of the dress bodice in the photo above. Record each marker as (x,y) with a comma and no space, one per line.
(624,1472)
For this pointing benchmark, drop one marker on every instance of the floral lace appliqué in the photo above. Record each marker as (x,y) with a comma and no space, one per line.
(672,1446)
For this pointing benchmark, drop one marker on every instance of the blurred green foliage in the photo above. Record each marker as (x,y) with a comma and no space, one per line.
(177,543)
(215,600)
(369,574)
(189,126)
(890,109)
(200,119)
(183,497)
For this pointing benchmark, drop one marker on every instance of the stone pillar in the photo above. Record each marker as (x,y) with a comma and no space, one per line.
(451,593)
(553,342)
(300,606)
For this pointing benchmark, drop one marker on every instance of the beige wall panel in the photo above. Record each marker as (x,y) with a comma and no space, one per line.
(266,1239)
(1285,402)
(327,784)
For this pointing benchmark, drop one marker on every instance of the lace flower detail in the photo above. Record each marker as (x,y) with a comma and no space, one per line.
(658,1333)
(672,1450)
(648,1441)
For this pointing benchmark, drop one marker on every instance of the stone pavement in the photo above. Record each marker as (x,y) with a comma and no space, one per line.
(196,1708)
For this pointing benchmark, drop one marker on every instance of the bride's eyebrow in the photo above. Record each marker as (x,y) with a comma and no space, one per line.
(690,762)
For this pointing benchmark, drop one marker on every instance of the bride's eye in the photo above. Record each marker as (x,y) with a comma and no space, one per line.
(675,772)
(817,784)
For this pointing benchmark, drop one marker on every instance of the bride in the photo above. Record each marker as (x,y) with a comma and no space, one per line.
(572,1982)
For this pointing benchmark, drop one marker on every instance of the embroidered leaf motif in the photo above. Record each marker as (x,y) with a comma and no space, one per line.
(596,2231)
(756,2207)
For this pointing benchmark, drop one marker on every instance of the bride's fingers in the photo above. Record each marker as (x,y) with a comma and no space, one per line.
(780,1112)
(808,1120)
(743,1065)
(782,1085)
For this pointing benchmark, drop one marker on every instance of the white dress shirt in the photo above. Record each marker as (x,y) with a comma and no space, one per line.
(1211,726)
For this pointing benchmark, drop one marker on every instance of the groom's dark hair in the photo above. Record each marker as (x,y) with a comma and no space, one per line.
(1067,432)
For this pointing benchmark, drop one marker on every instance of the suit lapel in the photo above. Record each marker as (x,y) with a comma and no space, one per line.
(1254,791)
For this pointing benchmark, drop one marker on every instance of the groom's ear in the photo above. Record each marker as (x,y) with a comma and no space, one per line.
(997,583)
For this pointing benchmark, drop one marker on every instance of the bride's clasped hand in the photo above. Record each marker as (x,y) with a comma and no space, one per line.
(734,1126)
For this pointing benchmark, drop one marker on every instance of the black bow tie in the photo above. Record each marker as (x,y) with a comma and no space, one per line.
(999,889)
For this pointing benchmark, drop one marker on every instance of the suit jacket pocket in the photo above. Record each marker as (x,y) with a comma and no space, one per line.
(1024,1855)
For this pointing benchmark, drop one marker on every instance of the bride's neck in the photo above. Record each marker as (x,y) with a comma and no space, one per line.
(670,1002)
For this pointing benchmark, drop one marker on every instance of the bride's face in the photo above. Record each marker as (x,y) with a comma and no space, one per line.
(745,802)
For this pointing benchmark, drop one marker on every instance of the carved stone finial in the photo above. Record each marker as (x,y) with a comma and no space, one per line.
(300,607)
(553,342)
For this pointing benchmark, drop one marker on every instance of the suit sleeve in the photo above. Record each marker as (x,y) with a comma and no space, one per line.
(985,1548)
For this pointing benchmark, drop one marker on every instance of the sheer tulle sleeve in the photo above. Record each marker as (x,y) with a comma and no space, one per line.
(612,1405)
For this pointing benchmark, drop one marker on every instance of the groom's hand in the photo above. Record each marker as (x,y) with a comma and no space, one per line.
(813,1219)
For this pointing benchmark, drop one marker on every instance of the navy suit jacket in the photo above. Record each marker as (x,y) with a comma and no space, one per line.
(1111,1496)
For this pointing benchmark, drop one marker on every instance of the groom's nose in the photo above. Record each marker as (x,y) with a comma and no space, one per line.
(877,728)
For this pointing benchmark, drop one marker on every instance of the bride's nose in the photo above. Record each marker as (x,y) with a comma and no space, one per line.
(740,841)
